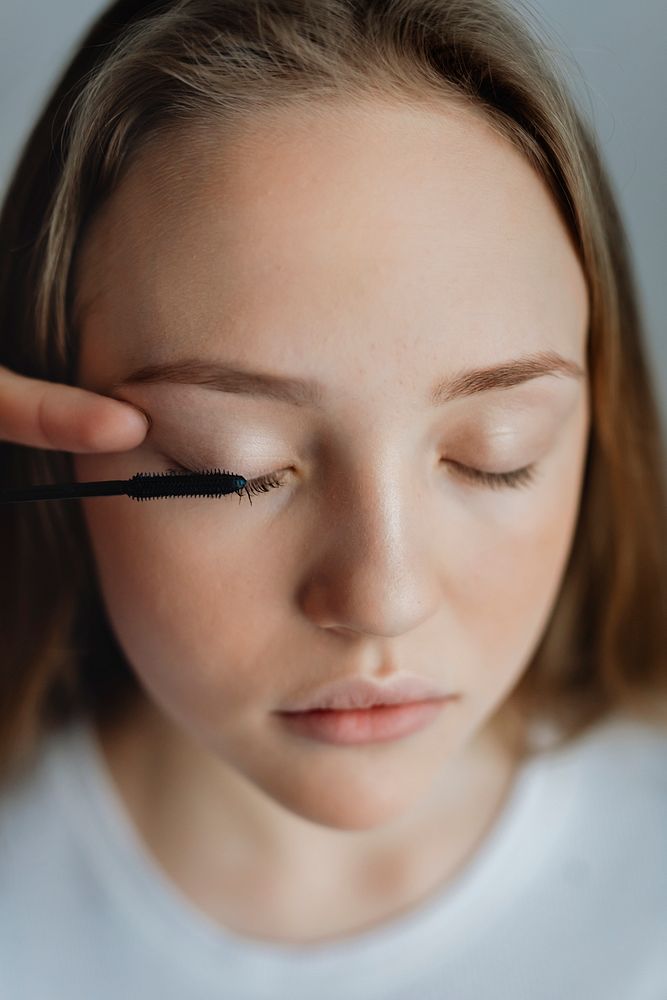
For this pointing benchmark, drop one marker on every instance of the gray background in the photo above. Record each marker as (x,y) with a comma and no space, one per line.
(610,51)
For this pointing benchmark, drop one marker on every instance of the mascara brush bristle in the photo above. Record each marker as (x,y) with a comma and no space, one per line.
(208,483)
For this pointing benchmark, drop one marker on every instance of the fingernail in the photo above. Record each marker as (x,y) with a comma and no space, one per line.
(143,414)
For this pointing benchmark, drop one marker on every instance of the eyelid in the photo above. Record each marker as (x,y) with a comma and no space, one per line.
(522,477)
(513,479)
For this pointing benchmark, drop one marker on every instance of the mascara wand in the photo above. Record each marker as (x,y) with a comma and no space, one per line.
(142,486)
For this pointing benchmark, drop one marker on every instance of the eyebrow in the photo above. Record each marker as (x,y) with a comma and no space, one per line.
(310,393)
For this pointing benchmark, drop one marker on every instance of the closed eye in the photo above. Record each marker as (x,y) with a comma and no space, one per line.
(514,479)
(499,480)
(262,484)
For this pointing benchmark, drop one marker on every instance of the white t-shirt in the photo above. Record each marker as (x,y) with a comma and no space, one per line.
(565,900)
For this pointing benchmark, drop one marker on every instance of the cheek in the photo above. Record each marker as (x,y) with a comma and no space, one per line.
(515,574)
(186,624)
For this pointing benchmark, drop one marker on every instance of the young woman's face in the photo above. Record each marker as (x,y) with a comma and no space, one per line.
(379,252)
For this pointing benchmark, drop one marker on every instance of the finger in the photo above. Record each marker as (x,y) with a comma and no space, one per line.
(61,417)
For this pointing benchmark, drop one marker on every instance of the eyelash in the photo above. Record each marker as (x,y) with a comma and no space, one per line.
(260,485)
(500,480)
(493,480)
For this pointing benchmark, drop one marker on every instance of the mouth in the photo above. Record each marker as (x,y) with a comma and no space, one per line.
(359,693)
(378,724)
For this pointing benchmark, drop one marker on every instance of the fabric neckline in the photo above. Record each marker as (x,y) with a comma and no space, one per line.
(540,800)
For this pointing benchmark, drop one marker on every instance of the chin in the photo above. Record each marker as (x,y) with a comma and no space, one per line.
(352,816)
(348,802)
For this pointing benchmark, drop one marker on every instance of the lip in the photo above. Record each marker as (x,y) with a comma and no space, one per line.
(359,693)
(361,726)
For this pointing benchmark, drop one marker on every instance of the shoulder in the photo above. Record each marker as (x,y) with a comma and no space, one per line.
(623,746)
(621,754)
(618,773)
(32,834)
(24,793)
(605,794)
(47,896)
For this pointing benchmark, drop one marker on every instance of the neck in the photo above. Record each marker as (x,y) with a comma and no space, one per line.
(278,876)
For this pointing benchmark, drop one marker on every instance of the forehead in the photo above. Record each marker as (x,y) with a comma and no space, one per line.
(378,226)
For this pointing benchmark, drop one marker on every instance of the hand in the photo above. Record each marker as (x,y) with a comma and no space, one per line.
(61,417)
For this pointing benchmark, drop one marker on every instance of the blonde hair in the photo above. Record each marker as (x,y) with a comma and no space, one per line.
(148,72)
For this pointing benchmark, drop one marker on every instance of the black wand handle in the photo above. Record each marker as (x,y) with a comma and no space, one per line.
(142,486)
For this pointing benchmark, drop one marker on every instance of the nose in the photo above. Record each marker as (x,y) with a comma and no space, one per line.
(374,570)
